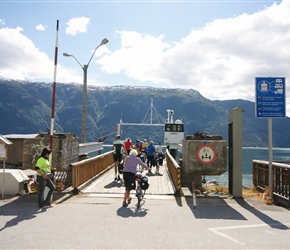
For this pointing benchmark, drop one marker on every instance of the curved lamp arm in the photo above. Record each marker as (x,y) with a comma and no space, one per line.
(66,54)
(103,42)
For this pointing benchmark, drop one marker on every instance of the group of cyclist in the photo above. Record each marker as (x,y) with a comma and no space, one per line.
(130,156)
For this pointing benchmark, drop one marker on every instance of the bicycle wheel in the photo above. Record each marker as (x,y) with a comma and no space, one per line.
(157,169)
(139,198)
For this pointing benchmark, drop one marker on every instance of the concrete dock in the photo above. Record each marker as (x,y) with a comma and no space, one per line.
(98,221)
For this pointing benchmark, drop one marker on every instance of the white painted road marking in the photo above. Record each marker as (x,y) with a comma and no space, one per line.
(217,230)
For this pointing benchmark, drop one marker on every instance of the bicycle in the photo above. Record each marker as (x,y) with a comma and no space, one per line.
(158,161)
(141,187)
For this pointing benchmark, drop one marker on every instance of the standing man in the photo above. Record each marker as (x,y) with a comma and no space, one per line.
(150,155)
(118,155)
(160,154)
(144,146)
(138,145)
(128,145)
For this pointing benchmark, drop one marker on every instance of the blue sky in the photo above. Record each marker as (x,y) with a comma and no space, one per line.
(214,47)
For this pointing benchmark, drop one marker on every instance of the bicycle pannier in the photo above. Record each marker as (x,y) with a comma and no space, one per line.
(132,182)
(144,183)
(120,168)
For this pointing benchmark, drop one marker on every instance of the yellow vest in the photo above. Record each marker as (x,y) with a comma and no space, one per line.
(43,165)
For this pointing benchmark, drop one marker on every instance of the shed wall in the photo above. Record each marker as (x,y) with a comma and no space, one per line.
(24,152)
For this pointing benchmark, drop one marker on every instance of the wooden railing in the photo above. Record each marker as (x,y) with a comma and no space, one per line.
(174,170)
(281,179)
(83,171)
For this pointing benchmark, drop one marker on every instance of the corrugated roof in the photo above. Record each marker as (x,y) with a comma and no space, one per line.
(21,136)
(5,140)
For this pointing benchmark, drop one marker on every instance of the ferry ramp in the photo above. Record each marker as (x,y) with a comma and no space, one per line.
(104,184)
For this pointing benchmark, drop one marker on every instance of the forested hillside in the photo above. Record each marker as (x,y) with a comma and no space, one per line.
(25,107)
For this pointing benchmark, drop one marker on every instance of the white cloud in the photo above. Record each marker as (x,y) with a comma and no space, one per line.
(40,27)
(138,56)
(21,60)
(221,60)
(2,22)
(77,25)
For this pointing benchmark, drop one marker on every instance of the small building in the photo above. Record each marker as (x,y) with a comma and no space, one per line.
(27,148)
(4,143)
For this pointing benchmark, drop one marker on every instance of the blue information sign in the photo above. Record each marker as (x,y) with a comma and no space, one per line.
(270,97)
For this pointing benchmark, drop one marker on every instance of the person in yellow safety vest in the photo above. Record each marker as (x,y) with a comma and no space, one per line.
(138,146)
(144,145)
(44,177)
(137,149)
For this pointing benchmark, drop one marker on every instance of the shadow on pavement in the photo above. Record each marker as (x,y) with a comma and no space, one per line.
(19,209)
(22,208)
(218,208)
(263,217)
(126,212)
(213,208)
(114,184)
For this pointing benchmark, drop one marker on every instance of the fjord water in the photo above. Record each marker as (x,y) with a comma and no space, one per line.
(250,154)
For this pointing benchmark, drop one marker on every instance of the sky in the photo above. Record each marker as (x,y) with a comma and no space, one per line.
(215,47)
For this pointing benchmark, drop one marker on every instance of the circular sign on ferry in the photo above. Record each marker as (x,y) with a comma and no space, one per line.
(206,154)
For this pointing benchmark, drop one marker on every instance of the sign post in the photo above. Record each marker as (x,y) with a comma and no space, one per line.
(3,157)
(4,143)
(270,103)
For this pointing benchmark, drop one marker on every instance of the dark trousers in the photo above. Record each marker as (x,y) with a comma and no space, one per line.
(42,184)
(150,160)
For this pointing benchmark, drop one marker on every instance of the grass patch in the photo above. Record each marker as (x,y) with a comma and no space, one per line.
(253,192)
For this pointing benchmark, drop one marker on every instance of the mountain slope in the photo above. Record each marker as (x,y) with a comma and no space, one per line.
(25,107)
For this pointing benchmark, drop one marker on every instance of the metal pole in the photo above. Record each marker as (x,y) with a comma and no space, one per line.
(3,179)
(151,107)
(84,119)
(119,127)
(193,192)
(270,158)
(85,70)
(54,90)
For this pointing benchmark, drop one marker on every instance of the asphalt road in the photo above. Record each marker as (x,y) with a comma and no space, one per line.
(98,221)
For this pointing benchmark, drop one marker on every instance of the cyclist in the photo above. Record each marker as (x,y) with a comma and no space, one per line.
(128,145)
(150,155)
(130,168)
(119,149)
(160,152)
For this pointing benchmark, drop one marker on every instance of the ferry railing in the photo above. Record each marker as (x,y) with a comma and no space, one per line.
(85,170)
(281,179)
(174,170)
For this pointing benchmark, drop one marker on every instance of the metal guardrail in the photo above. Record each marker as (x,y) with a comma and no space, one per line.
(84,170)
(281,179)
(174,170)
(85,148)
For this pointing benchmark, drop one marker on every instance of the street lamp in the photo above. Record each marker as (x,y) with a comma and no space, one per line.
(85,70)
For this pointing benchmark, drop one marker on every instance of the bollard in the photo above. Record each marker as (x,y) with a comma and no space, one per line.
(193,193)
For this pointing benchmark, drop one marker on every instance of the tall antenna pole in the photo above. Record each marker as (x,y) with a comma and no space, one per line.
(153,112)
(54,89)
(151,109)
